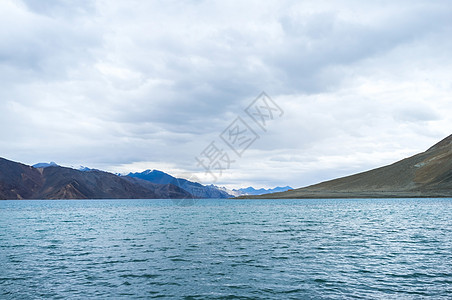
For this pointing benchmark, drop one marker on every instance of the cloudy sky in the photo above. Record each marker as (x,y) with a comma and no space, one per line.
(134,85)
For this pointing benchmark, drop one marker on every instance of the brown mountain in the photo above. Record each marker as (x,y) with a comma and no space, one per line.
(427,174)
(19,181)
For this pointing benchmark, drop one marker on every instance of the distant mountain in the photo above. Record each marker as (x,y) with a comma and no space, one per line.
(19,181)
(53,164)
(196,189)
(252,191)
(45,165)
(85,169)
(427,174)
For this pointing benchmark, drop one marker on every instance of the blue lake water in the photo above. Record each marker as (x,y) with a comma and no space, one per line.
(226,249)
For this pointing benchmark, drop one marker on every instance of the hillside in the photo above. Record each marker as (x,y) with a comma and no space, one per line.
(19,181)
(195,188)
(427,174)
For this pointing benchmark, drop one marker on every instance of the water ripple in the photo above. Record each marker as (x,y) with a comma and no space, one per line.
(219,249)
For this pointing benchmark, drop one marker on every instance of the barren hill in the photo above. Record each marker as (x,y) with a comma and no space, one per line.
(19,181)
(427,174)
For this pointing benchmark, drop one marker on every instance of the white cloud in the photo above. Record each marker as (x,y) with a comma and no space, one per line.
(149,84)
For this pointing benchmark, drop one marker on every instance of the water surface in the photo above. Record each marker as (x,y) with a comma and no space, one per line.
(226,249)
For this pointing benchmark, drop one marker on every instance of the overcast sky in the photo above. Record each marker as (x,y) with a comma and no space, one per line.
(134,85)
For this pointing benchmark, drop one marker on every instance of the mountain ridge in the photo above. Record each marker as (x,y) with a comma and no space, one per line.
(196,189)
(426,174)
(19,181)
(252,191)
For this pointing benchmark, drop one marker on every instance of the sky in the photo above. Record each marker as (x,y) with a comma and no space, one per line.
(125,86)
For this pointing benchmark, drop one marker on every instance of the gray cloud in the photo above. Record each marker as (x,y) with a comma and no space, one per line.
(141,84)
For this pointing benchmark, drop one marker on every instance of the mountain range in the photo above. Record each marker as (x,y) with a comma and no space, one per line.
(196,189)
(202,191)
(19,181)
(51,181)
(427,174)
(252,191)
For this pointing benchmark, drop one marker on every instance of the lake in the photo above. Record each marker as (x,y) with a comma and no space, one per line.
(226,249)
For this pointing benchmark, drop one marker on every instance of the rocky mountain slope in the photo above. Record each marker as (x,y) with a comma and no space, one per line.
(19,181)
(427,174)
(196,189)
